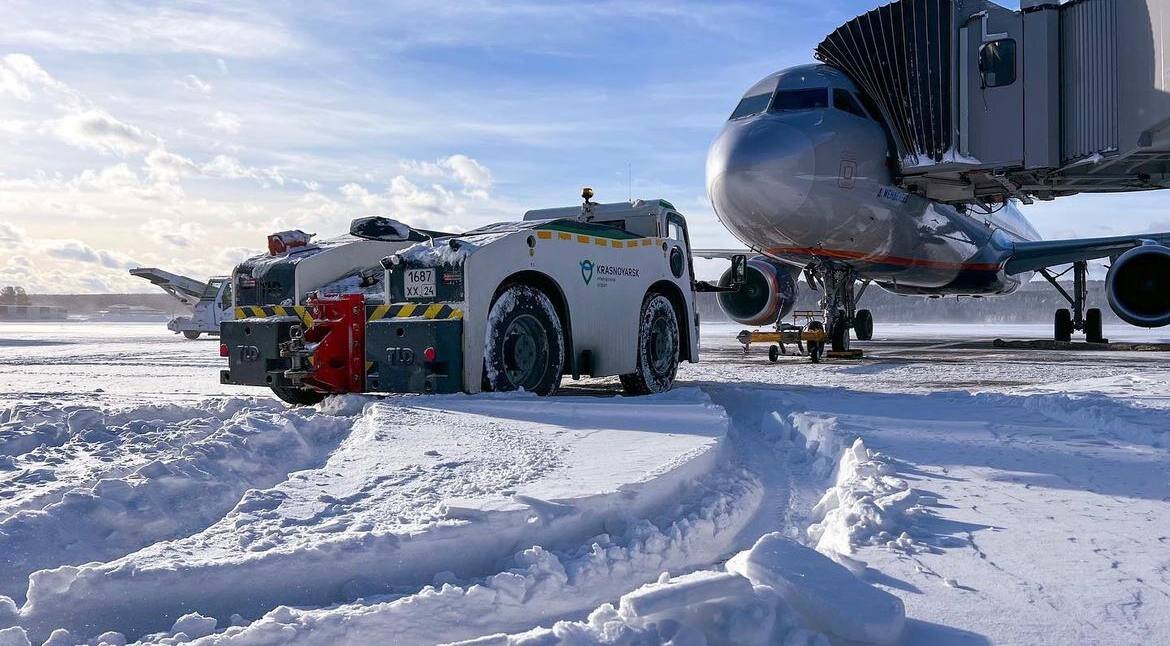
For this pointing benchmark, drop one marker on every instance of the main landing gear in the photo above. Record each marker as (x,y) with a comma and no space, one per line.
(1078,318)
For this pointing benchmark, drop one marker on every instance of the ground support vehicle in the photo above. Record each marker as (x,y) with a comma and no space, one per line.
(211,302)
(596,290)
(809,339)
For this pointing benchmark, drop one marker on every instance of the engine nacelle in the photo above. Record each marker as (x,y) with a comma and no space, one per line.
(768,292)
(1138,286)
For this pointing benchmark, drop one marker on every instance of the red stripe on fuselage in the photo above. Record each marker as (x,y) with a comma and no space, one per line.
(841,254)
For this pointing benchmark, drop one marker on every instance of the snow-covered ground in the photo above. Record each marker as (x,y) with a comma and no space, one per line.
(941,490)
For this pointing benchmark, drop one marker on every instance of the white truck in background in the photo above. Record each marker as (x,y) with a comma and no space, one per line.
(211,301)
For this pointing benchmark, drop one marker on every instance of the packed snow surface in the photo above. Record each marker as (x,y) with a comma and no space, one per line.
(939,491)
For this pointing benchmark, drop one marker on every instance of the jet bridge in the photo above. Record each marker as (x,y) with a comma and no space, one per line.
(983,103)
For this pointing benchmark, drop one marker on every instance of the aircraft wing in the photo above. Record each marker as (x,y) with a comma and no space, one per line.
(1033,256)
(725,254)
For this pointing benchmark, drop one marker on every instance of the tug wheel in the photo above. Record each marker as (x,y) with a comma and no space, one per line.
(524,346)
(1062,326)
(658,348)
(191,334)
(774,353)
(298,396)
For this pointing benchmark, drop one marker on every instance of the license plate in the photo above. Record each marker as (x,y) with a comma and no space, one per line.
(419,283)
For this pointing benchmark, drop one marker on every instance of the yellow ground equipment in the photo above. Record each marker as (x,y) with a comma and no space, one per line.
(809,338)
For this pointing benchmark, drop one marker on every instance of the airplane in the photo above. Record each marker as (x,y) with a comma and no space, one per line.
(804,173)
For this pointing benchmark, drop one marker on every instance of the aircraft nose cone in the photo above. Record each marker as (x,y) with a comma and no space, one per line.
(758,173)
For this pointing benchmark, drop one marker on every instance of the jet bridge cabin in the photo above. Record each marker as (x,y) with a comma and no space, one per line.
(984,103)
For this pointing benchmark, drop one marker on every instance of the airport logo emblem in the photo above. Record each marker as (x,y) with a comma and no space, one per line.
(587,270)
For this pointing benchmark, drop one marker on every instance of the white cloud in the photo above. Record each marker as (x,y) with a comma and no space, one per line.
(166,166)
(471,173)
(78,251)
(109,27)
(21,76)
(10,234)
(229,167)
(182,235)
(225,122)
(97,130)
(195,84)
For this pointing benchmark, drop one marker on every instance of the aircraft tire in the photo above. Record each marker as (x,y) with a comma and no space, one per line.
(191,334)
(1062,326)
(863,325)
(816,348)
(659,341)
(1093,328)
(298,396)
(840,335)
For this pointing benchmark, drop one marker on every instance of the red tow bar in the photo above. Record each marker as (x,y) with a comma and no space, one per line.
(339,332)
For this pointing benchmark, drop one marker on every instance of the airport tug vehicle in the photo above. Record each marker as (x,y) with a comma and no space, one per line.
(596,290)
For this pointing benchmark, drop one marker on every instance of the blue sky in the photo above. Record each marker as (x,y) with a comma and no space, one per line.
(179,135)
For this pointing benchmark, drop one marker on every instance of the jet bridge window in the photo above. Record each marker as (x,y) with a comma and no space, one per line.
(844,100)
(798,100)
(750,105)
(997,63)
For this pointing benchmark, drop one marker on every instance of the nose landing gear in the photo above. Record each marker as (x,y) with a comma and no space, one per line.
(826,333)
(1067,321)
(839,305)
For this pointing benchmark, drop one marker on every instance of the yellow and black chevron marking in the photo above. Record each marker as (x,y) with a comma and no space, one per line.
(436,311)
(268,311)
(600,241)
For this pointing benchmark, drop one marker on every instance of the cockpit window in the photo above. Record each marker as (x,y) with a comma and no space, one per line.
(802,99)
(844,100)
(750,105)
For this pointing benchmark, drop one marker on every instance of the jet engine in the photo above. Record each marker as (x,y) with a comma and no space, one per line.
(768,292)
(1138,286)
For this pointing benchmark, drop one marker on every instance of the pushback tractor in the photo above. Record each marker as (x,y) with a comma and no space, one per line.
(596,290)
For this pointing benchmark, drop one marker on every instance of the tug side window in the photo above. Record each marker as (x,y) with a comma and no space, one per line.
(997,63)
(676,229)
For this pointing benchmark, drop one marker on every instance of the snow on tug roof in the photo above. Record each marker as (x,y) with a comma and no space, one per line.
(604,211)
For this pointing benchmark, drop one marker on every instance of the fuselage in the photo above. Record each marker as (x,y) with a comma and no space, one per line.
(802,173)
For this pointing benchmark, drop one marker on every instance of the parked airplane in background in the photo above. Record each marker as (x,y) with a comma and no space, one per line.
(804,174)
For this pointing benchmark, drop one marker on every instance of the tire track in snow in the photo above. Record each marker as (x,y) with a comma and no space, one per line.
(500,474)
(189,469)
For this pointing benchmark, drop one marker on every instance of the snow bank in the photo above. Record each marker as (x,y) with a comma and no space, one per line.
(867,504)
(178,469)
(828,596)
(1101,414)
(420,485)
(778,592)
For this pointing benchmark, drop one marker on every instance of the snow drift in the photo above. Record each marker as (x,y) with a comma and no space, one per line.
(416,486)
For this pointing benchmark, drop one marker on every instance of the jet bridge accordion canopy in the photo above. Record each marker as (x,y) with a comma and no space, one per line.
(983,103)
(900,55)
